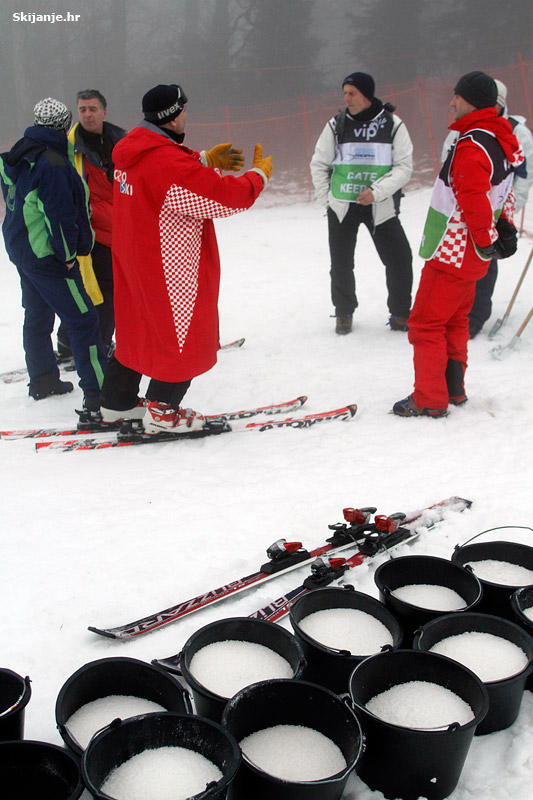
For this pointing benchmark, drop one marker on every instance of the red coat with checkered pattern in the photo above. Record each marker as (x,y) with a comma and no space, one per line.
(474,165)
(165,256)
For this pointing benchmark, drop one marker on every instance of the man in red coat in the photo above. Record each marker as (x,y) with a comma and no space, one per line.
(470,221)
(166,263)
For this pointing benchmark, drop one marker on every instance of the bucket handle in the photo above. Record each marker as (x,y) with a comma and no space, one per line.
(489,530)
(211,787)
(115,723)
(19,700)
(453,727)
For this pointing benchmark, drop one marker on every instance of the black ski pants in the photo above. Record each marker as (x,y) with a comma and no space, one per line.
(482,308)
(120,390)
(392,247)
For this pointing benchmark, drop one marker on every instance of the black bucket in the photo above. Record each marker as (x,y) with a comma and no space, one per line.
(520,600)
(409,763)
(124,739)
(505,695)
(117,676)
(496,596)
(244,629)
(280,702)
(326,665)
(15,693)
(409,570)
(37,769)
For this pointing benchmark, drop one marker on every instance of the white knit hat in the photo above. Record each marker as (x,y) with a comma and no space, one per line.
(53,114)
(502,93)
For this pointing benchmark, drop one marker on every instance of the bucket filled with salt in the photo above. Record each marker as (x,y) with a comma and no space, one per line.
(502,568)
(498,651)
(419,712)
(416,589)
(339,627)
(299,741)
(15,693)
(32,769)
(108,688)
(162,757)
(522,608)
(223,657)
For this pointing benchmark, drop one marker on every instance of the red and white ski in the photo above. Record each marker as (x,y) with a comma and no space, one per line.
(283,557)
(133,435)
(384,534)
(228,416)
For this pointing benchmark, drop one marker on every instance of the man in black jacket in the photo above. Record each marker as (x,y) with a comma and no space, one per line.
(93,139)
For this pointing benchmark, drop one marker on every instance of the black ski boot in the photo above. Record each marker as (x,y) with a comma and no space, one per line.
(48,384)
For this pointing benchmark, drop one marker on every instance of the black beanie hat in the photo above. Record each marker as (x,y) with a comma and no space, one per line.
(363,82)
(163,103)
(478,89)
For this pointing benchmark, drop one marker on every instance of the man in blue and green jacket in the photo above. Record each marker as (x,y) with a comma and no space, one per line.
(45,228)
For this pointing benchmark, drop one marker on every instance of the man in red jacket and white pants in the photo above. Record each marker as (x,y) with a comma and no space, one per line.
(470,221)
(166,263)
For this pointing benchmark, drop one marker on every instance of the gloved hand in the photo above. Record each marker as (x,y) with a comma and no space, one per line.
(264,164)
(507,242)
(225,156)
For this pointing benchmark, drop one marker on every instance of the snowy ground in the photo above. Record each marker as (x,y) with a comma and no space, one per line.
(98,538)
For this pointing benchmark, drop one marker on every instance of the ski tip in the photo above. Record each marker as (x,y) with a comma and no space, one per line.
(461,501)
(233,345)
(352,409)
(303,398)
(101,632)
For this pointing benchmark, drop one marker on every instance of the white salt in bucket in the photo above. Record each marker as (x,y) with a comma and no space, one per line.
(506,692)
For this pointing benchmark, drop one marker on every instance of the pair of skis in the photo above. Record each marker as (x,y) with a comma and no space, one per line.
(132,433)
(369,537)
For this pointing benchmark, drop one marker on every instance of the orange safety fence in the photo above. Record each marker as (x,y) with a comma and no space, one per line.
(290,128)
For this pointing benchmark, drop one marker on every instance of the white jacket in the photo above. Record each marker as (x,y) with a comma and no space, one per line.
(521,186)
(383,189)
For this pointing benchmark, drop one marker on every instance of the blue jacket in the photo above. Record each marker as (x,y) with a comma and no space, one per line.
(47,217)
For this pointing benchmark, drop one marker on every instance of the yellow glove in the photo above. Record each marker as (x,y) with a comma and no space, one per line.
(264,164)
(224,156)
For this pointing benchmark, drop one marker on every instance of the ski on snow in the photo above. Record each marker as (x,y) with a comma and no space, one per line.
(17,375)
(67,364)
(358,531)
(385,534)
(283,556)
(88,428)
(132,433)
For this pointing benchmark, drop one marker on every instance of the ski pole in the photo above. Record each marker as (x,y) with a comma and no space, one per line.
(501,322)
(502,352)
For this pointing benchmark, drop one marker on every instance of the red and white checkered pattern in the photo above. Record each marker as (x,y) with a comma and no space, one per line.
(452,248)
(509,207)
(180,230)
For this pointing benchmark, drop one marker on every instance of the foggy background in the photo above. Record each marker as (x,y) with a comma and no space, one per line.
(264,70)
